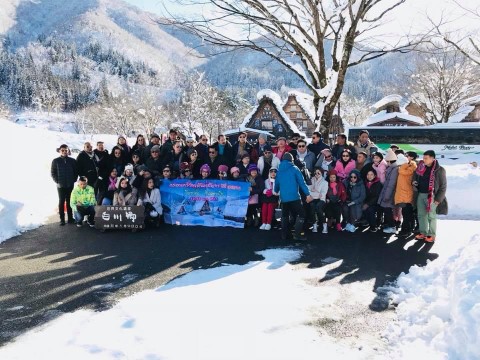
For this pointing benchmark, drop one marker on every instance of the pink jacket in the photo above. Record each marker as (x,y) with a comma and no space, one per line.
(381,168)
(343,172)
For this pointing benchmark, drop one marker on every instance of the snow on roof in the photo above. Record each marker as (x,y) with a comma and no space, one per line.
(305,101)
(386,100)
(383,115)
(461,113)
(243,128)
(277,101)
(474,100)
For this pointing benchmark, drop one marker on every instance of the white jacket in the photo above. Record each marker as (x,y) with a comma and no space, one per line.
(261,164)
(319,188)
(154,199)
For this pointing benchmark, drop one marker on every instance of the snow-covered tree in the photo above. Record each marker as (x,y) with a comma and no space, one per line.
(299,34)
(353,110)
(441,80)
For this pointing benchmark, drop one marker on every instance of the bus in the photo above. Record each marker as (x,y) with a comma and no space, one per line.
(445,139)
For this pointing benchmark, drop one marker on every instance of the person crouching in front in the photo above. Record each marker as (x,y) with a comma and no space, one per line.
(83,202)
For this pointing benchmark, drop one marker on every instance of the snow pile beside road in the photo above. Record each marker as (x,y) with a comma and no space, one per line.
(439,307)
(28,195)
(261,310)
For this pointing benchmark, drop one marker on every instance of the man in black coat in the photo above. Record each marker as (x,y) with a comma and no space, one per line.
(317,144)
(225,149)
(202,148)
(102,159)
(154,140)
(214,161)
(87,164)
(64,173)
(343,144)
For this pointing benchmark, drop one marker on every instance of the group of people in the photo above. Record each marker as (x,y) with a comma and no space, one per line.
(320,187)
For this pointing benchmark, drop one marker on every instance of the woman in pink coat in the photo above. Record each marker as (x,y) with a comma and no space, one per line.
(380,166)
(344,165)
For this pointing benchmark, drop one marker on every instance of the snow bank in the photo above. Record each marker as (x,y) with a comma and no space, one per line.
(28,195)
(383,116)
(439,305)
(261,310)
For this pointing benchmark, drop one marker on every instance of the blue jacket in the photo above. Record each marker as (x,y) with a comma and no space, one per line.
(288,181)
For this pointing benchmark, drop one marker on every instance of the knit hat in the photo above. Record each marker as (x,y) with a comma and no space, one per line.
(288,157)
(332,172)
(184,166)
(122,137)
(263,136)
(390,155)
(155,148)
(128,167)
(234,169)
(141,168)
(401,159)
(137,153)
(190,151)
(429,153)
(252,167)
(189,138)
(379,154)
(223,168)
(206,168)
(273,169)
(154,136)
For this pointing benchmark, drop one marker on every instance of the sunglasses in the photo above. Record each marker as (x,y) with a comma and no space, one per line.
(353,177)
(154,151)
(186,170)
(203,140)
(328,157)
(300,146)
(211,152)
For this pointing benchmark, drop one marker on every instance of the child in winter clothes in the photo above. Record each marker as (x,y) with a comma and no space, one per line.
(352,208)
(373,187)
(380,166)
(235,174)
(269,200)
(318,190)
(256,189)
(336,195)
(404,193)
(127,174)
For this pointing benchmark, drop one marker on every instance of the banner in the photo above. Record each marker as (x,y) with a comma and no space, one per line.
(205,202)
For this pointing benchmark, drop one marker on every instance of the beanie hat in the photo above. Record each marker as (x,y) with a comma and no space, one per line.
(430,153)
(122,137)
(390,155)
(379,154)
(155,148)
(373,150)
(288,157)
(223,168)
(263,136)
(184,166)
(252,167)
(233,169)
(267,147)
(189,138)
(128,167)
(141,168)
(332,172)
(190,151)
(154,136)
(401,159)
(206,168)
(273,169)
(137,153)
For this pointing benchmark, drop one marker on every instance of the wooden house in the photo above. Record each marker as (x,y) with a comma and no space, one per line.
(469,112)
(300,110)
(267,117)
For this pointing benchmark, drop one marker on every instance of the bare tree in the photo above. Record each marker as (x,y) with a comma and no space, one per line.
(298,33)
(441,80)
(355,111)
(467,43)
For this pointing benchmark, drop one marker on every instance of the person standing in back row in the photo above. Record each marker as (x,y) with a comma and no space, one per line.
(430,180)
(64,173)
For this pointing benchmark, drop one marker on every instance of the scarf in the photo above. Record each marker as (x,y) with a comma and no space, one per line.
(370,183)
(333,186)
(421,168)
(112,183)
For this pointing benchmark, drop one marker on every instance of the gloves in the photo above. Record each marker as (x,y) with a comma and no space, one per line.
(351,203)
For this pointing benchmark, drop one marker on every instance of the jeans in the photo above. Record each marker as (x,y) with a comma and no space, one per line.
(85,210)
(64,196)
(294,209)
(317,207)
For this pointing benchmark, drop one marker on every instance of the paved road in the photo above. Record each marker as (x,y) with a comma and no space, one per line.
(53,270)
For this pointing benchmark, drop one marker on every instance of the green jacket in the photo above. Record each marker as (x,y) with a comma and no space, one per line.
(86,197)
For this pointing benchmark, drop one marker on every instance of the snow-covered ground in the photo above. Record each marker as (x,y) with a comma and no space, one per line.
(228,312)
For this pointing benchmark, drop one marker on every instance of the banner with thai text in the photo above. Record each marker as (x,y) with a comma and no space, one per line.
(205,202)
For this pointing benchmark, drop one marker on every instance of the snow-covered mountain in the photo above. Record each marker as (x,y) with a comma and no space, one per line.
(112,23)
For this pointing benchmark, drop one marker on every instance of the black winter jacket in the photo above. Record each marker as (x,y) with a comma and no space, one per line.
(64,171)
